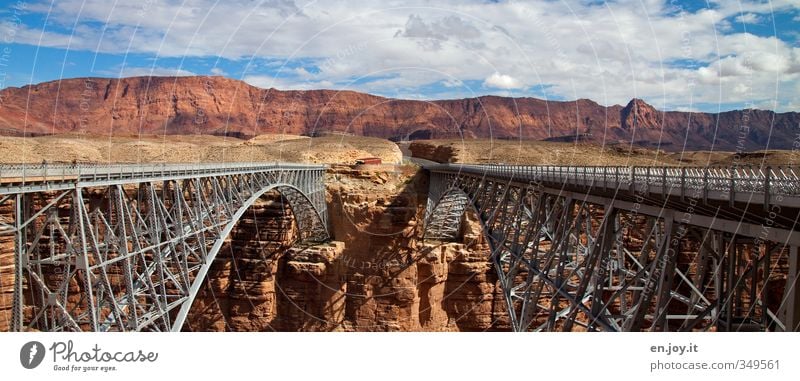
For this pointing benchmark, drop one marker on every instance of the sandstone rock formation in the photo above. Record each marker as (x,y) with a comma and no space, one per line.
(222,106)
(6,270)
(378,276)
(395,280)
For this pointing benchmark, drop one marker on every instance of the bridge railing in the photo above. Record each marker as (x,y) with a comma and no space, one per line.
(782,180)
(32,177)
(117,171)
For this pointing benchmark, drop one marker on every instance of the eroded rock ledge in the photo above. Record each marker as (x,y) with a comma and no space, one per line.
(378,274)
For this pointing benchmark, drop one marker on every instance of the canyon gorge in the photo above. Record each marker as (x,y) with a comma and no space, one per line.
(377,273)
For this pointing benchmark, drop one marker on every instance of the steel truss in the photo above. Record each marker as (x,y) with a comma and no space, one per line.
(126,248)
(572,254)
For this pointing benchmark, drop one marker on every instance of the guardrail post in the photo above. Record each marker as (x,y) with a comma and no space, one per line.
(631,179)
(705,185)
(766,187)
(664,182)
(683,183)
(732,191)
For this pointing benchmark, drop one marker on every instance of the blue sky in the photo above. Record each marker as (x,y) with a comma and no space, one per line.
(677,55)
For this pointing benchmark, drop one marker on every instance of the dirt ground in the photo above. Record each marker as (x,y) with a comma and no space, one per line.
(772,157)
(196,148)
(552,153)
(345,149)
(536,152)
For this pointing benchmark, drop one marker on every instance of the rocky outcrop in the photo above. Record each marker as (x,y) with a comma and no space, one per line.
(638,114)
(439,153)
(6,268)
(260,281)
(395,280)
(222,106)
(377,276)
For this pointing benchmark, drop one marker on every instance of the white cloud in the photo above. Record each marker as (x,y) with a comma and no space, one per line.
(268,82)
(749,18)
(129,71)
(302,73)
(501,81)
(452,82)
(217,71)
(609,53)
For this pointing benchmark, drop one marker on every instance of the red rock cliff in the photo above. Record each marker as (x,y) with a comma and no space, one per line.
(222,106)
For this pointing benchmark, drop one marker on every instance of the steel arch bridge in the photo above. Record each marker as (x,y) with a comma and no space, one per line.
(127,247)
(632,248)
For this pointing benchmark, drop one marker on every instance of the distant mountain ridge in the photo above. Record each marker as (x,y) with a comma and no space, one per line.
(223,106)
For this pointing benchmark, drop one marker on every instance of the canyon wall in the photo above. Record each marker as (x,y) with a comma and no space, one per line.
(222,106)
(395,281)
(377,274)
(6,268)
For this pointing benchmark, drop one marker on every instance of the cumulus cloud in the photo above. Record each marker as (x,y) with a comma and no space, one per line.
(432,33)
(502,81)
(268,82)
(452,82)
(609,53)
(749,18)
(129,71)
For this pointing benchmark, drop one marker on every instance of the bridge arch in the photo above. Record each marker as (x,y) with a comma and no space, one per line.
(444,217)
(137,240)
(610,248)
(311,227)
(496,218)
(445,214)
(508,220)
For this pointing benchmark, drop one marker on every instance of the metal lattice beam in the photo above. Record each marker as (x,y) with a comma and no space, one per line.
(630,249)
(126,248)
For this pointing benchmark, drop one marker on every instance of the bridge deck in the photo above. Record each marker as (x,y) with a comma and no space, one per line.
(27,178)
(747,199)
(741,184)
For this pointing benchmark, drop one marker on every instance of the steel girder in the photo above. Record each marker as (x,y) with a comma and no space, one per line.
(568,260)
(121,253)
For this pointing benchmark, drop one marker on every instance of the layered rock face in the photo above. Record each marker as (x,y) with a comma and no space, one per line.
(6,269)
(261,282)
(221,106)
(395,280)
(378,275)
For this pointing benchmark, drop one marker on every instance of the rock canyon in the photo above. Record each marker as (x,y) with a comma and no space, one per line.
(227,107)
